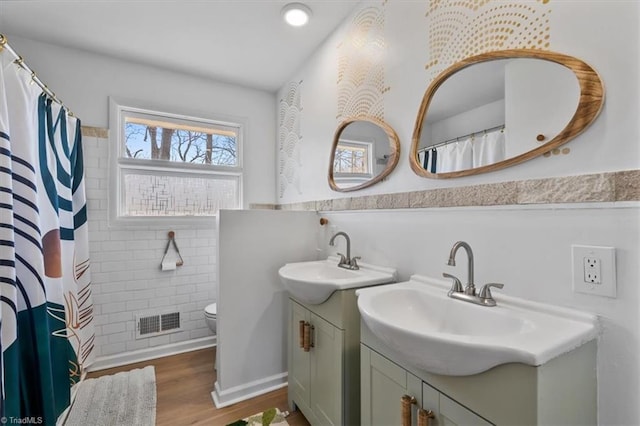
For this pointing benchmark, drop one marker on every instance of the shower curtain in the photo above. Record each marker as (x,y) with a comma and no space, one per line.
(46,329)
(490,149)
(471,152)
(455,156)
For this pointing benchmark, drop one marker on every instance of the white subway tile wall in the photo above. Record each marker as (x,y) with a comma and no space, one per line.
(125,268)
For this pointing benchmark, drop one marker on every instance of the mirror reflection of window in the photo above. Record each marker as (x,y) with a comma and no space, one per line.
(353,158)
(364,151)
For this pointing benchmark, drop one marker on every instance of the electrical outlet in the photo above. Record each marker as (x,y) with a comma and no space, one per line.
(594,270)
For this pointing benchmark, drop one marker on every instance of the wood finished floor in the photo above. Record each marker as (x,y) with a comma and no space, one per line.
(184,383)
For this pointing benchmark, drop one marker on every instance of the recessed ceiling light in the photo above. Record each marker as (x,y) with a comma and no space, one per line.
(296,14)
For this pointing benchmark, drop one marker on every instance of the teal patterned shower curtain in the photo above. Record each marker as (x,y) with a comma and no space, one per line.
(46,313)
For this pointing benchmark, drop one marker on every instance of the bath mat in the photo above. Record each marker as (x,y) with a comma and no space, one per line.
(270,417)
(126,398)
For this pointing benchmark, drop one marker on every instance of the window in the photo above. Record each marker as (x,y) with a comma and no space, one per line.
(353,159)
(174,166)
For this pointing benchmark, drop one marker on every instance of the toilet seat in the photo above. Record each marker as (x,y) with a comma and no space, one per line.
(210,317)
(211,310)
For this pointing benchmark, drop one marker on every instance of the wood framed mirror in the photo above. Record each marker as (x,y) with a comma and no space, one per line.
(501,108)
(364,151)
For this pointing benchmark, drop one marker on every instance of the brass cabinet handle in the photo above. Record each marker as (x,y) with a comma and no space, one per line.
(405,409)
(307,337)
(312,336)
(424,416)
(301,333)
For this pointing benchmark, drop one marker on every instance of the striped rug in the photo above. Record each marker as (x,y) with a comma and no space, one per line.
(125,398)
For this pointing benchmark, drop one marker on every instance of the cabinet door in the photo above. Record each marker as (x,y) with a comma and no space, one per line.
(326,372)
(300,372)
(384,383)
(447,411)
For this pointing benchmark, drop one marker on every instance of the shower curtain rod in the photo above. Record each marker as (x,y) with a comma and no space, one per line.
(4,44)
(448,141)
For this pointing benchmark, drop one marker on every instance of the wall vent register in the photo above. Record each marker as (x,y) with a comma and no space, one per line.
(157,324)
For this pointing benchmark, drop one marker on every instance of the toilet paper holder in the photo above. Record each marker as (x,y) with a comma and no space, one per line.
(172,240)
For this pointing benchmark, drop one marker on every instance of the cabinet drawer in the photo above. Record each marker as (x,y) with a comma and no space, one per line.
(447,411)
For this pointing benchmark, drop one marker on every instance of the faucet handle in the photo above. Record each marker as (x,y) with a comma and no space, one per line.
(354,262)
(485,292)
(457,285)
(343,259)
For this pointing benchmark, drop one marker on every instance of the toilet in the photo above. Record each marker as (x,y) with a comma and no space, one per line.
(211,316)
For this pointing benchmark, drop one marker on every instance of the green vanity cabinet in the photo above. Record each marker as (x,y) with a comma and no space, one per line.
(315,377)
(559,392)
(384,383)
(324,383)
(299,361)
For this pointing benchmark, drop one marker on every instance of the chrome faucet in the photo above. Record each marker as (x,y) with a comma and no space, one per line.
(346,261)
(468,293)
(470,289)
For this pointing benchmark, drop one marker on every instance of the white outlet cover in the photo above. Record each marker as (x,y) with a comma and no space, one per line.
(607,256)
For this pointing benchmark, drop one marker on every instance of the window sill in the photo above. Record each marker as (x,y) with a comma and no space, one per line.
(155,222)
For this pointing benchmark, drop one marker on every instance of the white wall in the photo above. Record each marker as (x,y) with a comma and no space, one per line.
(472,121)
(609,144)
(127,280)
(540,99)
(527,248)
(252,319)
(84,81)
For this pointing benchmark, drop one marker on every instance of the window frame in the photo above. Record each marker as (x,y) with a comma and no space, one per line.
(370,147)
(119,165)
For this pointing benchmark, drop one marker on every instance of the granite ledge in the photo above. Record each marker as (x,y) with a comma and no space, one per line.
(599,187)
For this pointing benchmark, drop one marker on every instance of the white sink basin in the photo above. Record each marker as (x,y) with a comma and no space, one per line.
(446,336)
(313,282)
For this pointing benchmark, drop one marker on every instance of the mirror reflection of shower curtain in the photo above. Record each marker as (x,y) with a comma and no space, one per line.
(428,159)
(471,152)
(489,149)
(455,156)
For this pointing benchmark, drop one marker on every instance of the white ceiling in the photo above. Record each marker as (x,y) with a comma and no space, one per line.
(243,42)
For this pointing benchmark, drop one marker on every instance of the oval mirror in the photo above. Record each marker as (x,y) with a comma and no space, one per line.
(501,108)
(365,150)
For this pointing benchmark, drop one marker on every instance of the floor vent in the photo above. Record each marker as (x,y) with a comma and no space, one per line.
(157,324)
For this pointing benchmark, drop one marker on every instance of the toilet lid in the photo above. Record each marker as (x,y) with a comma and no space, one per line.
(211,309)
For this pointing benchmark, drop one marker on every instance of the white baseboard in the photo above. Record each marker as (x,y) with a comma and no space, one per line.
(224,398)
(125,358)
